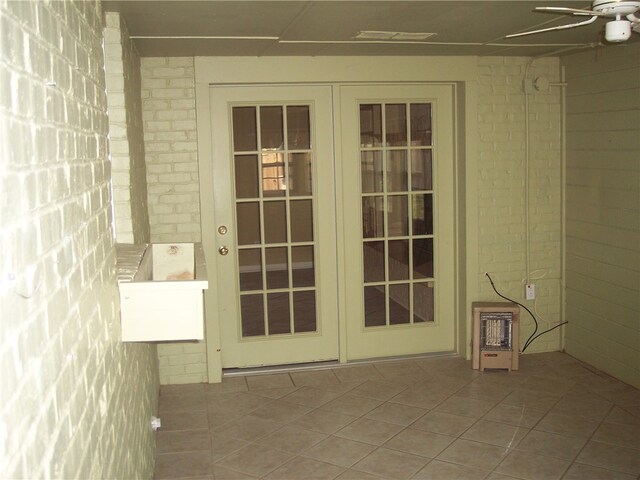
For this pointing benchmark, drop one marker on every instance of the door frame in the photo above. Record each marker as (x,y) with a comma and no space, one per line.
(460,72)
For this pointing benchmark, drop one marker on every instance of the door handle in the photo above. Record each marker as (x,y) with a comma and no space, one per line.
(223,250)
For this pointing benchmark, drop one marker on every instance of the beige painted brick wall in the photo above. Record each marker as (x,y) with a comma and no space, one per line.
(501,198)
(169,112)
(603,210)
(126,141)
(169,102)
(75,402)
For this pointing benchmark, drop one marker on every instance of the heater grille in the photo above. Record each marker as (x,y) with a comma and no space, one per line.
(496,330)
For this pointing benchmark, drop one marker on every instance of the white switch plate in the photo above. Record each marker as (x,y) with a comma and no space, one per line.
(530,291)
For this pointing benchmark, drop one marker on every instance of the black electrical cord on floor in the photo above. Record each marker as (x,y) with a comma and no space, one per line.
(533,336)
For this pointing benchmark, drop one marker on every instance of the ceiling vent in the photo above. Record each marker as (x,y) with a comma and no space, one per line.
(393,36)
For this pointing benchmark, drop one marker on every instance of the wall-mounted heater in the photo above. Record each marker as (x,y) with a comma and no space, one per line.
(495,335)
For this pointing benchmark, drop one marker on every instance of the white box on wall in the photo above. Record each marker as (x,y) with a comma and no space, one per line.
(161,298)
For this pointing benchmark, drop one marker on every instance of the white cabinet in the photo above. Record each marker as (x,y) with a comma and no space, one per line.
(161,291)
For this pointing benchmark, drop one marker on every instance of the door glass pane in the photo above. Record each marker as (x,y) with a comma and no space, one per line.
(301,221)
(375,310)
(371,171)
(278,312)
(373,259)
(398,259)
(398,216)
(252,315)
(300,179)
(303,266)
(399,306)
(372,217)
(423,302)
(273,175)
(422,212)
(421,170)
(248,223)
(271,129)
(396,124)
(244,129)
(298,127)
(275,222)
(246,176)
(304,311)
(422,258)
(420,124)
(250,262)
(370,125)
(277,266)
(397,171)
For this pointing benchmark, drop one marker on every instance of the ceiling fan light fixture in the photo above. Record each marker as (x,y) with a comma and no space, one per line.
(617,31)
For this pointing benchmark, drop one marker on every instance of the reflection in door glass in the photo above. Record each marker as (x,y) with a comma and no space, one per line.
(275,222)
(375,309)
(399,311)
(252,315)
(277,267)
(370,125)
(274,182)
(371,172)
(372,217)
(304,311)
(303,272)
(422,212)
(421,124)
(250,261)
(423,302)
(301,221)
(398,267)
(396,124)
(422,257)
(373,260)
(271,128)
(244,129)
(421,170)
(397,215)
(278,312)
(298,127)
(248,223)
(300,179)
(246,176)
(398,259)
(397,171)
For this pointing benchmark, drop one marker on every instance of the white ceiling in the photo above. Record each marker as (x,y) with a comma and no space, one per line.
(328,27)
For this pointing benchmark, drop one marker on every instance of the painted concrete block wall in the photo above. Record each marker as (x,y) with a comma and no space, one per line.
(501,190)
(74,401)
(169,113)
(126,141)
(603,210)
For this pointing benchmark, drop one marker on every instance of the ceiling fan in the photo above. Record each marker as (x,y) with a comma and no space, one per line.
(626,15)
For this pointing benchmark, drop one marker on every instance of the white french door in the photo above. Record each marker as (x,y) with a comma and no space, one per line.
(397,168)
(275,226)
(277,234)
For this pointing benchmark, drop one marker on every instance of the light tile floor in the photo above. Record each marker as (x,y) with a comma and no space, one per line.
(428,418)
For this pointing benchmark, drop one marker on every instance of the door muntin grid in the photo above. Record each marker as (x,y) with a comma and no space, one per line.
(396,158)
(273,156)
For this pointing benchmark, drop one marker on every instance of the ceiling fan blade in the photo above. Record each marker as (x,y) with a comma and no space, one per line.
(569,11)
(559,27)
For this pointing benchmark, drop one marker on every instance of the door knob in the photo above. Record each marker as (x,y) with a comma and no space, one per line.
(222,229)
(223,250)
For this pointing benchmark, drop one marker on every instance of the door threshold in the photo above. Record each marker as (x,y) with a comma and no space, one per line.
(325,365)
